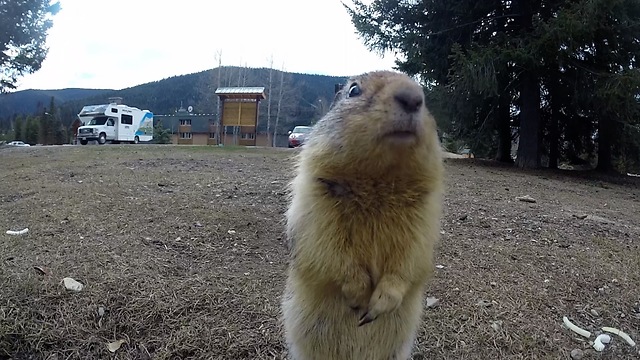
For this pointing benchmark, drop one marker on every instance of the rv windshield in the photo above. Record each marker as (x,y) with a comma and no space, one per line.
(98,120)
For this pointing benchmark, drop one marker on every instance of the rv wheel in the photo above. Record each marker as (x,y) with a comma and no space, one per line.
(136,140)
(102,139)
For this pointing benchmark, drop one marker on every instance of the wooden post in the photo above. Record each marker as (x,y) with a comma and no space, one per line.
(220,110)
(238,129)
(255,125)
(221,123)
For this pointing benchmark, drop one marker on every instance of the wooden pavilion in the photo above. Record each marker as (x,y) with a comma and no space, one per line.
(239,109)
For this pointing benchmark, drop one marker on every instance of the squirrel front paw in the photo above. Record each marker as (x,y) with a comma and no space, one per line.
(357,291)
(385,299)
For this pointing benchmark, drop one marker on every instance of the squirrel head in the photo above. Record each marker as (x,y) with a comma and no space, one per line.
(377,118)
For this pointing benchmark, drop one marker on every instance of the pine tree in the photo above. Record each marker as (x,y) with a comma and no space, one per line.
(161,135)
(31,130)
(60,134)
(18,129)
(22,38)
(555,72)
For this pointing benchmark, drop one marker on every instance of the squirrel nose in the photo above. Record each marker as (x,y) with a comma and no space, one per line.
(409,98)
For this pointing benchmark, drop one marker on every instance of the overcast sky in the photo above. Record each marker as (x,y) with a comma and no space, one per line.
(122,43)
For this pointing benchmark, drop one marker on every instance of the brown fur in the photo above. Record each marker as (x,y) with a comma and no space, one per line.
(362,224)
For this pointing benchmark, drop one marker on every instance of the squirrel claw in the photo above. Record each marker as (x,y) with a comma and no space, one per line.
(365,319)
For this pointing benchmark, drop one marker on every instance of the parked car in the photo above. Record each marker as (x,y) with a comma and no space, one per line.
(298,135)
(17,143)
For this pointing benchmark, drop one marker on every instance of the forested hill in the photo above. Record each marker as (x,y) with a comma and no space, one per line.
(303,98)
(30,101)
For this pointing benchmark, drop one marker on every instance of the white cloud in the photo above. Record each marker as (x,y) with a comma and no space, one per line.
(118,44)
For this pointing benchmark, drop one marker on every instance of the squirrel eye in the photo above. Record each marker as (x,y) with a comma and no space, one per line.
(354,90)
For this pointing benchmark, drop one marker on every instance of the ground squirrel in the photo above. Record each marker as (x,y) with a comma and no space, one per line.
(363,219)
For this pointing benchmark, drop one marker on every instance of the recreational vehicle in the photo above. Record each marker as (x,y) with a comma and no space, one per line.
(116,123)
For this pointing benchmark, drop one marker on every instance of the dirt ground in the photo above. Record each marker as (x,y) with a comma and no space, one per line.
(181,253)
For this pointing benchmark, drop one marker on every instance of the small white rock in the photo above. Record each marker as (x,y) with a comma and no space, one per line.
(114,346)
(577,354)
(72,284)
(496,325)
(526,198)
(432,301)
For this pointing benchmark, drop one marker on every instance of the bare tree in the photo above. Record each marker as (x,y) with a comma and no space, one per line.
(219,81)
(229,75)
(269,100)
(279,106)
(286,95)
(243,80)
(321,109)
(241,70)
(286,101)
(246,72)
(207,101)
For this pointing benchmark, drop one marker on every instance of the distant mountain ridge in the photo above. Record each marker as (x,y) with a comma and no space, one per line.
(28,101)
(303,98)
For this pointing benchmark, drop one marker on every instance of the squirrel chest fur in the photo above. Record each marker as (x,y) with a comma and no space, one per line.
(362,223)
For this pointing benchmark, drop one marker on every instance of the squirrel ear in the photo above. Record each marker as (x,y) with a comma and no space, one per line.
(336,98)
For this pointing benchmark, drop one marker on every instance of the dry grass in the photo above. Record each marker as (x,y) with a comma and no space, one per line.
(182,247)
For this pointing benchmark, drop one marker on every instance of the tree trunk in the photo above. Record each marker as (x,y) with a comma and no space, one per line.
(269,142)
(278,106)
(554,138)
(529,144)
(503,125)
(604,147)
(606,132)
(554,133)
(218,110)
(504,130)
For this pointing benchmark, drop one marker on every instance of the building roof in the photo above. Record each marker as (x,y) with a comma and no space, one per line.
(200,123)
(185,115)
(255,91)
